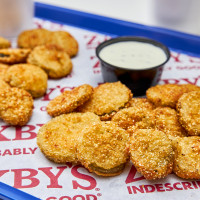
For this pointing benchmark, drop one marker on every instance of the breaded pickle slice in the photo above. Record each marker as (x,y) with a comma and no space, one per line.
(13,56)
(126,117)
(16,106)
(107,99)
(103,149)
(187,157)
(55,62)
(188,108)
(58,138)
(36,37)
(3,69)
(28,77)
(68,101)
(4,43)
(168,94)
(151,153)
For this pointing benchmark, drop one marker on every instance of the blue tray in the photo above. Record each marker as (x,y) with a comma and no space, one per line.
(190,44)
(179,41)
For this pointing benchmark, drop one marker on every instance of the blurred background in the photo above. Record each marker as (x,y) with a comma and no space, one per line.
(180,15)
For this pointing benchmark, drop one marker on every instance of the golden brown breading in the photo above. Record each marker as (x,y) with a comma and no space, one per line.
(162,118)
(140,108)
(36,37)
(168,95)
(66,41)
(166,119)
(165,95)
(58,138)
(29,77)
(13,56)
(33,38)
(3,69)
(16,106)
(187,157)
(103,148)
(68,101)
(107,99)
(55,62)
(151,153)
(143,103)
(188,108)
(4,43)
(3,85)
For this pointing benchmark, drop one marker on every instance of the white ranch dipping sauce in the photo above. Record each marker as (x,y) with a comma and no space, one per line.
(133,55)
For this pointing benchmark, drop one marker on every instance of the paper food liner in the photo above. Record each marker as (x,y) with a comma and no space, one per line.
(24,166)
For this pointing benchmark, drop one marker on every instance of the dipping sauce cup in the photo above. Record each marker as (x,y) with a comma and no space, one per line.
(135,61)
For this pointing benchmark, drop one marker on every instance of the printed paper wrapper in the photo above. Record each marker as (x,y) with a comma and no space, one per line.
(23,165)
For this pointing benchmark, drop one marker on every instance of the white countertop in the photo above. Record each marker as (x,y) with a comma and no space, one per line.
(142,11)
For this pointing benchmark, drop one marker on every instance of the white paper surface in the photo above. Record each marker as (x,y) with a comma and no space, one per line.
(25,167)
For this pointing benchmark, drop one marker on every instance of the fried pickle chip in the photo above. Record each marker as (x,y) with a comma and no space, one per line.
(168,94)
(4,43)
(66,41)
(3,85)
(103,148)
(3,69)
(58,138)
(107,99)
(16,106)
(68,101)
(166,119)
(140,108)
(55,62)
(187,157)
(151,153)
(36,37)
(33,38)
(188,108)
(28,77)
(13,56)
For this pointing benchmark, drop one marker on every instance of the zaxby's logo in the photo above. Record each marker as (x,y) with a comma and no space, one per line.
(134,185)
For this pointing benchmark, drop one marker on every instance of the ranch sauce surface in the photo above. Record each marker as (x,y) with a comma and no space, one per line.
(133,55)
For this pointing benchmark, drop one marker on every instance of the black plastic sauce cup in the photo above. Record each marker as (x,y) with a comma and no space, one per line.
(138,80)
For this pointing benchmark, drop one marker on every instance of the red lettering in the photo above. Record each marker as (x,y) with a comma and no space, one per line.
(18,178)
(194,60)
(24,151)
(168,186)
(7,152)
(187,185)
(47,95)
(159,187)
(16,152)
(53,178)
(91,195)
(198,183)
(176,57)
(20,134)
(2,137)
(85,177)
(2,172)
(175,186)
(78,196)
(149,188)
(140,189)
(195,185)
(131,176)
(170,81)
(51,198)
(43,108)
(32,150)
(129,190)
(65,198)
(191,82)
